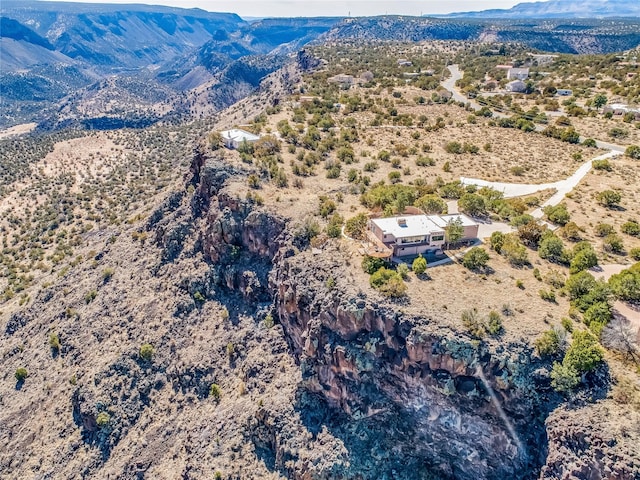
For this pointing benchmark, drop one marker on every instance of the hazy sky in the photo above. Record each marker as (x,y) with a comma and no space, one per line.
(298,8)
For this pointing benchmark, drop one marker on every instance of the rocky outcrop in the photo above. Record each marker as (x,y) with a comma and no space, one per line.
(468,409)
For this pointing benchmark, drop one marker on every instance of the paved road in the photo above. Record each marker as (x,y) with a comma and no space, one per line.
(519,189)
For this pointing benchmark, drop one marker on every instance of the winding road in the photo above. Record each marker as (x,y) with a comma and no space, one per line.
(510,190)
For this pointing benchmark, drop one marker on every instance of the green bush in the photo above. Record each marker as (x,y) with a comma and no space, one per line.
(146,352)
(494,323)
(633,151)
(583,258)
(597,316)
(609,198)
(357,226)
(472,323)
(557,214)
(371,265)
(564,378)
(497,241)
(403,270)
(475,259)
(603,229)
(419,265)
(626,284)
(215,392)
(631,227)
(551,248)
(548,295)
(103,419)
(54,342)
(21,374)
(388,282)
(550,343)
(584,353)
(635,253)
(613,243)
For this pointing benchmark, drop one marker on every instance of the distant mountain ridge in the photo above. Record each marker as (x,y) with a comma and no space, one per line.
(559,9)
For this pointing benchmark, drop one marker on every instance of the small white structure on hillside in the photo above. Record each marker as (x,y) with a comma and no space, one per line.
(235,137)
(564,92)
(517,86)
(518,74)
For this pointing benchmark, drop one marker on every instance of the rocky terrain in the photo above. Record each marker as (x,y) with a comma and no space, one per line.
(268,362)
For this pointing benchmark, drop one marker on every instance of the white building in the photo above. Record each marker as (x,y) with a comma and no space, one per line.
(564,92)
(411,235)
(235,137)
(517,74)
(517,86)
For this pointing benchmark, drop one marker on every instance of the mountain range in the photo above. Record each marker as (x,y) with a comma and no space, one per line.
(58,59)
(560,9)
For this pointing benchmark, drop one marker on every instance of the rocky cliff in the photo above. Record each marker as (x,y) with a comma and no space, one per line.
(270,362)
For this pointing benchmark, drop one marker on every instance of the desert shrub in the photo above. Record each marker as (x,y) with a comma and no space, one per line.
(371,264)
(589,142)
(473,323)
(496,241)
(584,257)
(603,229)
(609,198)
(54,342)
(357,226)
(584,354)
(394,176)
(307,230)
(254,181)
(514,251)
(103,419)
(531,233)
(146,352)
(326,206)
(388,282)
(90,296)
(626,284)
(547,295)
(564,378)
(632,227)
(454,147)
(334,227)
(597,316)
(557,214)
(633,151)
(419,265)
(613,243)
(635,253)
(425,161)
(494,323)
(21,374)
(603,164)
(571,231)
(551,248)
(472,204)
(431,204)
(215,392)
(403,270)
(550,343)
(475,259)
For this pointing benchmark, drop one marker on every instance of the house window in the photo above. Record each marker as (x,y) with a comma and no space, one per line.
(437,238)
(416,239)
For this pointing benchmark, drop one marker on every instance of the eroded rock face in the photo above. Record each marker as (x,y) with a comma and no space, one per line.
(470,412)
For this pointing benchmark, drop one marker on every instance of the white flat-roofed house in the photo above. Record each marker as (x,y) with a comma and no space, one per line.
(235,137)
(517,74)
(408,235)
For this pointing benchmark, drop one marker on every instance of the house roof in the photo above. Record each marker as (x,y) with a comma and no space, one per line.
(443,220)
(519,70)
(407,226)
(239,135)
